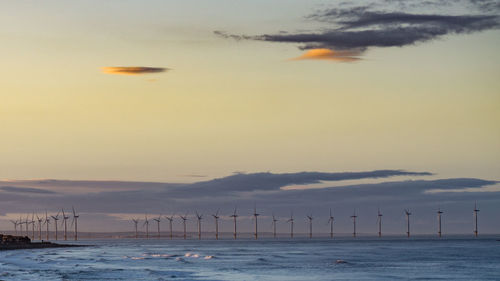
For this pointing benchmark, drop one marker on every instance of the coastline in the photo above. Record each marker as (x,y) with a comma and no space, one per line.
(10,242)
(35,245)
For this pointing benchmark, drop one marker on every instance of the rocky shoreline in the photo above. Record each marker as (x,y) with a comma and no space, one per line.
(10,242)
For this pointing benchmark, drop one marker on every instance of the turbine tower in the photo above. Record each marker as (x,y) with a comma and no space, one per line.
(255,215)
(216,217)
(476,210)
(56,218)
(15,223)
(234,216)
(40,220)
(354,216)
(379,221)
(75,221)
(33,225)
(27,226)
(184,219)
(47,222)
(439,212)
(310,217)
(146,223)
(20,223)
(157,220)
(291,224)
(65,221)
(408,214)
(274,226)
(136,221)
(170,219)
(331,220)
(199,217)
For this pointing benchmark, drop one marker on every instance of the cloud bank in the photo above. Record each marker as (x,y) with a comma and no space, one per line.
(14,189)
(355,29)
(266,190)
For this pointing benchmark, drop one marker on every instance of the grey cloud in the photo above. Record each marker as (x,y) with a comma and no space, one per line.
(225,35)
(263,189)
(487,5)
(362,18)
(15,189)
(362,27)
(393,30)
(271,182)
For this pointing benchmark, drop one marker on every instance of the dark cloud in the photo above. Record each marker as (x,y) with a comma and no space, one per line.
(487,5)
(225,35)
(362,27)
(272,182)
(132,70)
(15,189)
(265,190)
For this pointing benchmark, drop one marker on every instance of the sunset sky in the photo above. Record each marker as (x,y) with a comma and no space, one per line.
(224,86)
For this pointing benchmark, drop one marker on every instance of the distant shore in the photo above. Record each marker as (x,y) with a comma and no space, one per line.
(10,242)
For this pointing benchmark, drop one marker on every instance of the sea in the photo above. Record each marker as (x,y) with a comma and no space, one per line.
(368,258)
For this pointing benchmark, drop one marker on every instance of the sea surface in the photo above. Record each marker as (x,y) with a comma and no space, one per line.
(283,259)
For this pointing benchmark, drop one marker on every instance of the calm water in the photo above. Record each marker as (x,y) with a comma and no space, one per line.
(367,259)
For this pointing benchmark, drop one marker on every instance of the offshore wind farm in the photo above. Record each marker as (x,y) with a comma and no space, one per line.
(192,252)
(183,232)
(250,140)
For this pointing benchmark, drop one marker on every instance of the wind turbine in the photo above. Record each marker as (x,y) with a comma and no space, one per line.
(255,215)
(199,217)
(331,220)
(56,218)
(157,220)
(136,221)
(379,221)
(184,219)
(354,216)
(33,225)
(27,222)
(408,214)
(170,219)
(439,212)
(310,217)
(234,216)
(274,226)
(216,217)
(47,222)
(65,221)
(476,210)
(146,223)
(20,223)
(291,224)
(24,222)
(75,221)
(15,223)
(40,220)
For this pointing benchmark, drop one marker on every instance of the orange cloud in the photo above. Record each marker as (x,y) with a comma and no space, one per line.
(132,70)
(331,55)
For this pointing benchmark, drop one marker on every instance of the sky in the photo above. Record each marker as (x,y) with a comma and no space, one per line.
(174,93)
